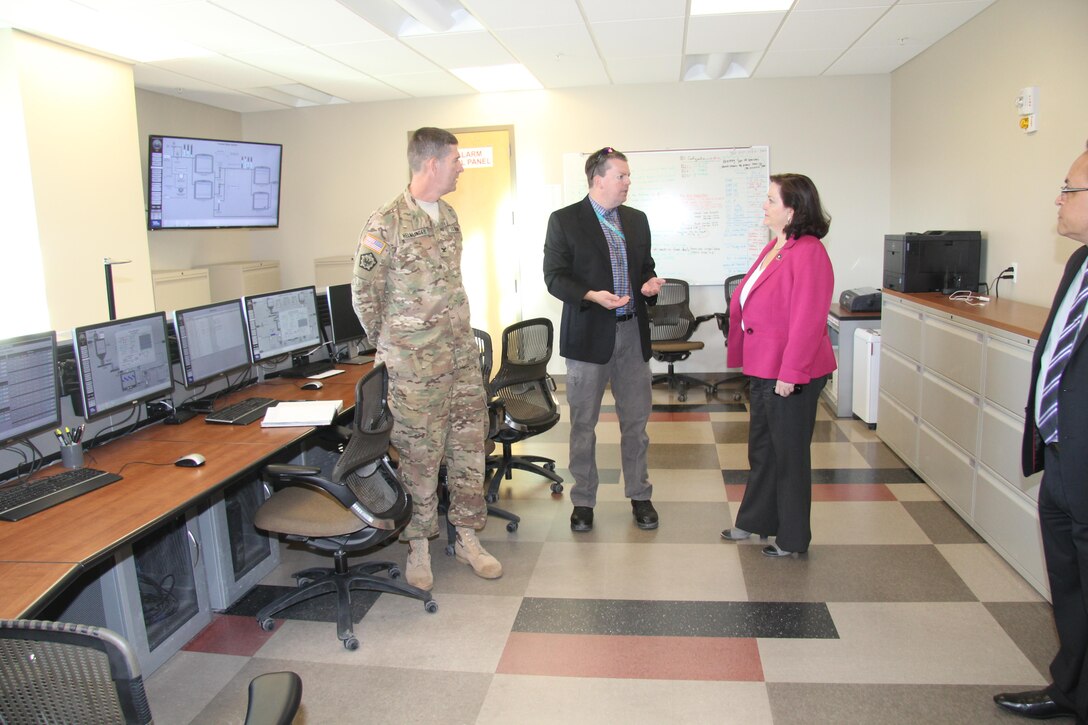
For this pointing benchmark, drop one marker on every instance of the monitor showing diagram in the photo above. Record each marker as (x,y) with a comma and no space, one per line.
(122,362)
(199,183)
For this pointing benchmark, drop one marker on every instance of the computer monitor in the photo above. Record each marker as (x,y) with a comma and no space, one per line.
(122,363)
(344,326)
(29,388)
(212,341)
(281,322)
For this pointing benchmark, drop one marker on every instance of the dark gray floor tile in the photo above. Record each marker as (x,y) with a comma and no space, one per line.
(821,704)
(876,573)
(682,455)
(675,619)
(322,608)
(730,431)
(941,524)
(1031,626)
(826,431)
(840,475)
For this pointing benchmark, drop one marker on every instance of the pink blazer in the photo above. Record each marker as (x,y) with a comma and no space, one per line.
(784,334)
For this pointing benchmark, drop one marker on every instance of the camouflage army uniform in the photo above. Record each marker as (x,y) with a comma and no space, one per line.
(412,303)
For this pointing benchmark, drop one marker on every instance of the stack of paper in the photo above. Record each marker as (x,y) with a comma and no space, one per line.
(301,412)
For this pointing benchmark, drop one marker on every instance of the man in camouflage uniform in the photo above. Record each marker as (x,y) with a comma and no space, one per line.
(412,303)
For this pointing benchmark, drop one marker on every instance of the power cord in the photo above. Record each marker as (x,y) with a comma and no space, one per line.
(1006,273)
(970,298)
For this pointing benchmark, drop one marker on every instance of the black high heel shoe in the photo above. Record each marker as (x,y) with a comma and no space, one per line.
(736,534)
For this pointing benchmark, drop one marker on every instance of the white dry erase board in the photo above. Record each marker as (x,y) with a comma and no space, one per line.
(705,207)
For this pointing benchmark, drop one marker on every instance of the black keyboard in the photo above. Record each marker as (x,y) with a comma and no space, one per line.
(241,413)
(305,371)
(29,498)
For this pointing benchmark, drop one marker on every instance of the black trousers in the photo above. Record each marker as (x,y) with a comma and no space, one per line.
(778,498)
(1065,546)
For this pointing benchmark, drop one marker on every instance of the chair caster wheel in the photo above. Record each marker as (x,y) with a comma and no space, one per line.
(449,550)
(549,467)
(302,581)
(431,606)
(490,497)
(351,643)
(394,572)
(557,488)
(268,624)
(512,526)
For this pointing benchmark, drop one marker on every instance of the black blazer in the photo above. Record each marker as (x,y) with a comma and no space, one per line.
(1072,402)
(576,261)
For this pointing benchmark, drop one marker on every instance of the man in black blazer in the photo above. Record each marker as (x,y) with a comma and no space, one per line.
(597,261)
(1056,442)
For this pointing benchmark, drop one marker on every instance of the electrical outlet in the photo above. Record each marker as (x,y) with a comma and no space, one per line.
(1015,268)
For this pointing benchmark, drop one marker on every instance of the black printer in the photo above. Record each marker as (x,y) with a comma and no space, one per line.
(941,261)
(860,299)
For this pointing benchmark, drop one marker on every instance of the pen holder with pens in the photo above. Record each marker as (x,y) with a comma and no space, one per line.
(71,455)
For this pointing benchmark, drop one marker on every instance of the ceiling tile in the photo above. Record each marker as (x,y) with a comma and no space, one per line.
(168,83)
(226,71)
(310,22)
(824,29)
(378,57)
(322,73)
(634,38)
(604,10)
(460,50)
(731,33)
(216,29)
(805,5)
(786,63)
(652,69)
(924,23)
(535,43)
(872,60)
(500,14)
(569,71)
(434,83)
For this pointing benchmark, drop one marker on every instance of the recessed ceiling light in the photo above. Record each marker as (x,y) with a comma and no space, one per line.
(493,78)
(727,7)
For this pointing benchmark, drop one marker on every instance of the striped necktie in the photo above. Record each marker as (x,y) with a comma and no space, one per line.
(1048,407)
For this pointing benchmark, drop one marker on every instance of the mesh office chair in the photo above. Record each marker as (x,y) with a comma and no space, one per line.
(671,328)
(737,382)
(525,390)
(358,506)
(52,672)
(495,413)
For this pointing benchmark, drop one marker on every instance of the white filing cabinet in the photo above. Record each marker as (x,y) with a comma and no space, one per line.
(866,375)
(329,271)
(179,289)
(231,280)
(952,391)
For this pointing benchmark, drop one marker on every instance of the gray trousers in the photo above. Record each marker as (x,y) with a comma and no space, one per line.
(630,378)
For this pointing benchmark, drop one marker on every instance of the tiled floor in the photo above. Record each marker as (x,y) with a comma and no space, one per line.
(898,613)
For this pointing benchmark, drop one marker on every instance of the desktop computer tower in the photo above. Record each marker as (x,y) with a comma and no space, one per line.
(941,261)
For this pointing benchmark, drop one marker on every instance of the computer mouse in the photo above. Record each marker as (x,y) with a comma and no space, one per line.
(313,385)
(191,460)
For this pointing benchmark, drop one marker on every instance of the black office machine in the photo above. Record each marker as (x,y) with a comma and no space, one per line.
(860,299)
(934,261)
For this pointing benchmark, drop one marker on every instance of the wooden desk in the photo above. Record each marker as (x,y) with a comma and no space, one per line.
(41,553)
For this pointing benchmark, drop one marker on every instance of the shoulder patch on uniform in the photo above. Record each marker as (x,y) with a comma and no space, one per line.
(368,261)
(372,242)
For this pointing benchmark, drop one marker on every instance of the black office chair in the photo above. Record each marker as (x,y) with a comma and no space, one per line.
(495,414)
(671,328)
(53,672)
(737,382)
(525,390)
(356,507)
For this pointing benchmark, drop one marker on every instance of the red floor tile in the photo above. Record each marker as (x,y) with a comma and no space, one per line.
(643,658)
(734,492)
(229,634)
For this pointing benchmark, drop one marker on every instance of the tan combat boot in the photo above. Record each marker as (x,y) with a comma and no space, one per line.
(418,570)
(469,551)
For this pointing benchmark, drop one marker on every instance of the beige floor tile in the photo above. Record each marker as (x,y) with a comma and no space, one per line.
(182,687)
(725,416)
(837,455)
(926,643)
(687,485)
(864,522)
(856,431)
(693,572)
(582,701)
(680,432)
(733,456)
(912,492)
(988,575)
(397,632)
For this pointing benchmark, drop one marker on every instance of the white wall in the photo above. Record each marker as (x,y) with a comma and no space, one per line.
(342,162)
(959,160)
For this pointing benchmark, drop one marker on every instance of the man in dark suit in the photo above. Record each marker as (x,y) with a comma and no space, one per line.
(1056,442)
(597,261)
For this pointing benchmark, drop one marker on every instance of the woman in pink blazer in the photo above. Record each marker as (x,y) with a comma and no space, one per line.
(778,336)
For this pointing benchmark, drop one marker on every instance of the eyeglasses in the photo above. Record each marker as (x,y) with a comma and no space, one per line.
(1070,190)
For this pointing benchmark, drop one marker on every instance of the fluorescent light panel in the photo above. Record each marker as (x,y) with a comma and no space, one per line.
(494,78)
(730,7)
